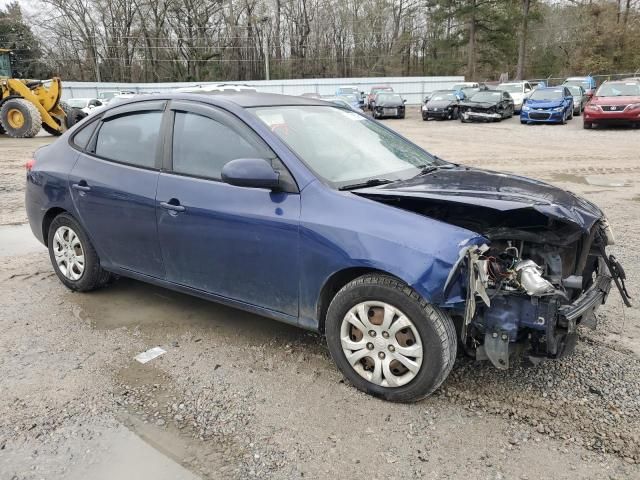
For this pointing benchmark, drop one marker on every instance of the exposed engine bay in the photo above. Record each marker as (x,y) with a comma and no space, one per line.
(543,270)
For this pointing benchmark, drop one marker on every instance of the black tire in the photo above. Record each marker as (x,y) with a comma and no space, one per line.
(570,115)
(587,125)
(2,130)
(577,113)
(435,328)
(30,114)
(523,122)
(72,116)
(93,276)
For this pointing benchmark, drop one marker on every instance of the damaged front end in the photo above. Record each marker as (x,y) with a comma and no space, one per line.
(542,271)
(528,297)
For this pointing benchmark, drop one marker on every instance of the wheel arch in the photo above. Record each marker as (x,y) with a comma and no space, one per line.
(335,282)
(52,213)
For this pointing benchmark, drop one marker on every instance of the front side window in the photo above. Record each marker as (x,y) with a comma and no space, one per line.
(342,147)
(131,139)
(202,146)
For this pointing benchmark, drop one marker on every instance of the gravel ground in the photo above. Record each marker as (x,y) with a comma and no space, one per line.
(240,396)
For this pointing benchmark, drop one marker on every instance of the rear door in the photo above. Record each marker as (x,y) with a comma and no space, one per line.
(236,242)
(113,186)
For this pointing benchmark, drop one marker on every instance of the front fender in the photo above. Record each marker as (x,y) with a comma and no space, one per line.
(340,230)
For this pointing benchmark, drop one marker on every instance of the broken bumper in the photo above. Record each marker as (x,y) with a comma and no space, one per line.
(481,116)
(584,306)
(546,328)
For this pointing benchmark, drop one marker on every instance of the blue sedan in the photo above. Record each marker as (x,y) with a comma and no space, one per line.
(314,215)
(548,105)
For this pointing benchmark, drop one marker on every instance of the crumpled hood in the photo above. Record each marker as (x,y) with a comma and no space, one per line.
(469,103)
(544,103)
(438,103)
(496,191)
(390,103)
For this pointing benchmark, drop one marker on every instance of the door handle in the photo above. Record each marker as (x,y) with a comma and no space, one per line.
(81,186)
(174,207)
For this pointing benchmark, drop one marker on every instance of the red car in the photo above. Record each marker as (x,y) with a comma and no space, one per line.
(614,103)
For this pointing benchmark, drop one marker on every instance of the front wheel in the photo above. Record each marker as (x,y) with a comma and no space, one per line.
(73,257)
(587,125)
(388,341)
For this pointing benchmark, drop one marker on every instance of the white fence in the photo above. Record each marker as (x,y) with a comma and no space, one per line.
(413,89)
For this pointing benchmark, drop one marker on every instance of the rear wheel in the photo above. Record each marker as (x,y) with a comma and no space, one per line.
(20,118)
(388,341)
(73,257)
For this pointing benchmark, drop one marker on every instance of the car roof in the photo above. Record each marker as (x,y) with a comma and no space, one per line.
(243,99)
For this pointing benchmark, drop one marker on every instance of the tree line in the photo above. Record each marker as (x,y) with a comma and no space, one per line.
(211,40)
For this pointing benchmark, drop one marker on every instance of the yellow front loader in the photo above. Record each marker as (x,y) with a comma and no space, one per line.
(28,105)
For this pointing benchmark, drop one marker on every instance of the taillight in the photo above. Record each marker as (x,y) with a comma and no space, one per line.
(29,165)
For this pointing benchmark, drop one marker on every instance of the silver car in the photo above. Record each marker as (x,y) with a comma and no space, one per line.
(579,98)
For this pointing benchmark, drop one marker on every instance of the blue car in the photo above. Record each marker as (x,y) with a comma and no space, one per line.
(548,105)
(314,215)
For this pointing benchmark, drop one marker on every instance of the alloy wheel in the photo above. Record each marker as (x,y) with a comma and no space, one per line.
(68,253)
(381,344)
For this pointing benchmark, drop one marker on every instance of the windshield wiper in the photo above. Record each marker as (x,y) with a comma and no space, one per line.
(374,182)
(427,169)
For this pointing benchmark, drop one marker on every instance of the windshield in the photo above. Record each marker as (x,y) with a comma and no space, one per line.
(487,97)
(462,86)
(628,89)
(551,94)
(346,90)
(350,97)
(511,87)
(382,89)
(440,96)
(342,147)
(580,83)
(77,102)
(575,90)
(389,97)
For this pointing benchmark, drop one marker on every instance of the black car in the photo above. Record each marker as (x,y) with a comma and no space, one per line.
(487,106)
(388,104)
(442,104)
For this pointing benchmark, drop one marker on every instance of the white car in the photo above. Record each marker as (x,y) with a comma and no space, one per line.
(87,105)
(108,95)
(217,87)
(518,91)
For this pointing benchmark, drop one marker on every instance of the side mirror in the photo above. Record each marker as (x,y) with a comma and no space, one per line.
(250,172)
(404,101)
(524,100)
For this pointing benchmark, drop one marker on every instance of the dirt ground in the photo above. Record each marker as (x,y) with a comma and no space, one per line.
(241,396)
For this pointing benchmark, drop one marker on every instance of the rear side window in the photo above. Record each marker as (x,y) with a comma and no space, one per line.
(202,146)
(131,139)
